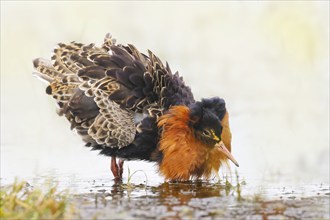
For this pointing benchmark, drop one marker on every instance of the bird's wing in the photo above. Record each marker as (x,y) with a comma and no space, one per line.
(144,84)
(99,120)
(148,85)
(99,89)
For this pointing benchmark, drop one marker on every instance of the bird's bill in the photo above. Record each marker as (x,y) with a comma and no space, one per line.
(222,148)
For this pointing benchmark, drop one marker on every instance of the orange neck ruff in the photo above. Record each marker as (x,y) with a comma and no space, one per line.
(184,157)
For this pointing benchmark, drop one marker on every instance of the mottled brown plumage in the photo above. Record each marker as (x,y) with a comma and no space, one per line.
(126,104)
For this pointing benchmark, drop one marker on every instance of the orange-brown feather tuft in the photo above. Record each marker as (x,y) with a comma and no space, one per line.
(185,157)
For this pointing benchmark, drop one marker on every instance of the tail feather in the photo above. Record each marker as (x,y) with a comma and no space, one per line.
(46,70)
(70,74)
(62,61)
(42,77)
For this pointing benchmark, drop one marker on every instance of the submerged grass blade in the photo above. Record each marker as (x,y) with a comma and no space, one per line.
(131,175)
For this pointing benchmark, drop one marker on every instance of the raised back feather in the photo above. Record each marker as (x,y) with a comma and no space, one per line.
(99,89)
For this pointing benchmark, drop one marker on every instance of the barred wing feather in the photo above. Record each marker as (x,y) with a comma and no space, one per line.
(100,89)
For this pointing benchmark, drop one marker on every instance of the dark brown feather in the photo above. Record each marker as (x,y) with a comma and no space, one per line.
(99,89)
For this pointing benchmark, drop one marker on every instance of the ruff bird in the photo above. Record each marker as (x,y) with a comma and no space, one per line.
(129,105)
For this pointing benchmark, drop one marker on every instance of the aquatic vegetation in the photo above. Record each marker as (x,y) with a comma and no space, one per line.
(235,189)
(131,175)
(22,201)
(129,186)
(238,187)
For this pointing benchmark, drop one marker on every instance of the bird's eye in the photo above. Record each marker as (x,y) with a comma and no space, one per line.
(206,133)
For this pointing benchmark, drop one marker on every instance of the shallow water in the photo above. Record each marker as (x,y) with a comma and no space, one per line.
(103,199)
(268,60)
(146,196)
(190,202)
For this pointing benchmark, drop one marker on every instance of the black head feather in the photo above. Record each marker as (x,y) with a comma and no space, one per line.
(205,116)
(216,105)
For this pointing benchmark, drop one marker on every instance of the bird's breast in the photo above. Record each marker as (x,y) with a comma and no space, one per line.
(184,157)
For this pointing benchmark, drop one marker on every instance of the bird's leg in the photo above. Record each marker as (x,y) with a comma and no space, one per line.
(114,169)
(121,167)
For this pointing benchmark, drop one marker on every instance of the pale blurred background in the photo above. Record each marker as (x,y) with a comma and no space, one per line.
(269,60)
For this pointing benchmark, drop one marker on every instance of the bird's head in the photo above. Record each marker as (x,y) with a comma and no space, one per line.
(209,120)
(194,139)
